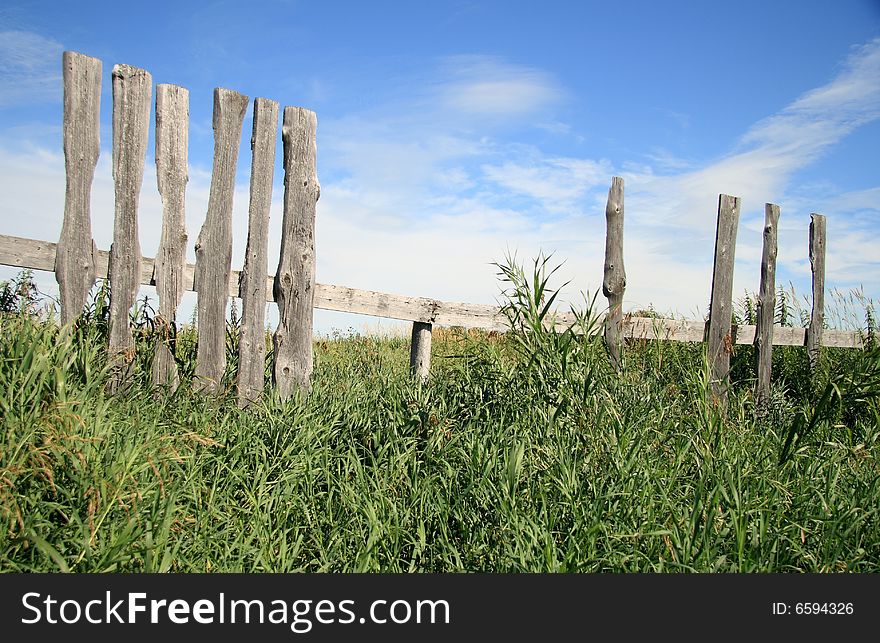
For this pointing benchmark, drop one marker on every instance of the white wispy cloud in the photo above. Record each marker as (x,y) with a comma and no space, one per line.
(558,184)
(30,68)
(489,86)
(822,116)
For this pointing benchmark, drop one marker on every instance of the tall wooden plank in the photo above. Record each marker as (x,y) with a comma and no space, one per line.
(295,278)
(614,282)
(172,149)
(75,257)
(817,264)
(252,285)
(214,245)
(766,306)
(420,351)
(719,336)
(132,91)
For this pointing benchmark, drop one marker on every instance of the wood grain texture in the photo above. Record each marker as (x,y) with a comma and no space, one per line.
(295,278)
(172,155)
(420,352)
(214,245)
(132,92)
(817,264)
(614,282)
(719,338)
(252,344)
(766,307)
(74,262)
(40,255)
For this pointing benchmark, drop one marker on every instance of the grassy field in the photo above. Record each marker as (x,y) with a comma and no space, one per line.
(525,452)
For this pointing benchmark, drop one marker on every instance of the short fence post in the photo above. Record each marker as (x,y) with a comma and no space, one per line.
(75,255)
(252,287)
(817,263)
(766,306)
(614,283)
(172,143)
(420,351)
(132,91)
(214,245)
(295,278)
(720,341)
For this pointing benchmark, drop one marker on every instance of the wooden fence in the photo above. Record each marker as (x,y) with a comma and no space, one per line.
(77,263)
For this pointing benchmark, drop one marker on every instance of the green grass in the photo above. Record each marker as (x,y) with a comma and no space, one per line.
(525,452)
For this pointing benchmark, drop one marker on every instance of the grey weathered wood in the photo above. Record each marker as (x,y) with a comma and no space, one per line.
(252,342)
(420,352)
(817,263)
(614,282)
(132,91)
(172,153)
(214,245)
(719,332)
(40,255)
(295,278)
(766,305)
(74,262)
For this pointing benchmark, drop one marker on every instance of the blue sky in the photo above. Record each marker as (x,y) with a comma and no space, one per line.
(450,132)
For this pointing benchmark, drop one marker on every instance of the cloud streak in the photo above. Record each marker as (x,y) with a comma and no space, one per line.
(490,87)
(30,71)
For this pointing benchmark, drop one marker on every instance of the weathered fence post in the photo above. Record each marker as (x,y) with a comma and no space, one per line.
(252,285)
(132,91)
(420,351)
(214,245)
(614,283)
(172,144)
(295,278)
(766,306)
(817,264)
(719,339)
(75,255)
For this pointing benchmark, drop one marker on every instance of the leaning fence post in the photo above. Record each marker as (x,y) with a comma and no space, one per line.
(295,278)
(720,341)
(252,286)
(817,263)
(214,245)
(132,91)
(75,255)
(766,306)
(172,139)
(614,283)
(420,351)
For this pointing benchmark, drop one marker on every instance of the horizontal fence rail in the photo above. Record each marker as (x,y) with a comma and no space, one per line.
(40,255)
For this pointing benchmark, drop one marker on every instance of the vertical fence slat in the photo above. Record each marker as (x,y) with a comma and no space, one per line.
(252,343)
(75,255)
(172,145)
(719,339)
(614,283)
(132,91)
(214,245)
(420,351)
(295,278)
(817,263)
(766,305)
